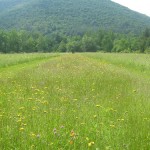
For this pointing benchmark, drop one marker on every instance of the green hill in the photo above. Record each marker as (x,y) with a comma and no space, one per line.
(70,16)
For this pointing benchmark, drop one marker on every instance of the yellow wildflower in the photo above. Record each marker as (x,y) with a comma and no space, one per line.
(21,108)
(72,134)
(87,138)
(21,129)
(95,116)
(113,126)
(71,142)
(90,144)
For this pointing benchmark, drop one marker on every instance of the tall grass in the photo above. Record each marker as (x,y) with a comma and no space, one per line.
(133,62)
(75,102)
(7,60)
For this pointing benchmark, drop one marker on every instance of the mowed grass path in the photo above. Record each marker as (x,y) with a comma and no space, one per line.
(76,102)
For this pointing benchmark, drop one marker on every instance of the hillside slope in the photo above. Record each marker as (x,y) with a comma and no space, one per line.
(70,16)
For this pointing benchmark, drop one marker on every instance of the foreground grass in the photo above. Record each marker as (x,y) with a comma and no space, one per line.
(134,62)
(75,102)
(12,63)
(7,60)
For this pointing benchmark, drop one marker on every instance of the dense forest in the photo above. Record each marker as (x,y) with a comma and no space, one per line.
(71,26)
(106,41)
(70,17)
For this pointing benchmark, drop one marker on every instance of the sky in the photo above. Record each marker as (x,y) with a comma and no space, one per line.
(142,6)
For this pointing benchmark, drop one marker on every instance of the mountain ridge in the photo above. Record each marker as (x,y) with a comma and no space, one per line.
(70,17)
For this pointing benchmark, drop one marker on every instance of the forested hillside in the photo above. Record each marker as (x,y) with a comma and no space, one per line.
(106,41)
(69,16)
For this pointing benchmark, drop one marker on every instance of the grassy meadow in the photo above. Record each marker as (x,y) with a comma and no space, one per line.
(75,101)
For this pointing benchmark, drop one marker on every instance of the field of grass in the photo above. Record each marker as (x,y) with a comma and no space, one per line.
(75,101)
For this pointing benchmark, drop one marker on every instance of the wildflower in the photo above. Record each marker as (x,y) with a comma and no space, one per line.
(45,102)
(82,123)
(90,144)
(71,142)
(19,115)
(95,116)
(38,136)
(134,91)
(21,108)
(21,129)
(87,138)
(34,108)
(32,135)
(113,126)
(108,147)
(19,120)
(37,90)
(120,119)
(55,131)
(75,99)
(62,127)
(30,99)
(72,134)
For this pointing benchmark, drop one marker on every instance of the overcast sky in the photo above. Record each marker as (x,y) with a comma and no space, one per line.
(142,6)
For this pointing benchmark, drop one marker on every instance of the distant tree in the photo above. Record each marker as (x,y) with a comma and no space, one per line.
(121,45)
(42,44)
(88,44)
(31,45)
(22,41)
(146,33)
(14,41)
(23,37)
(62,47)
(73,46)
(134,44)
(107,44)
(145,40)
(3,42)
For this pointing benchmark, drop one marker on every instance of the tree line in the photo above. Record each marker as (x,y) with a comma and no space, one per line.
(106,41)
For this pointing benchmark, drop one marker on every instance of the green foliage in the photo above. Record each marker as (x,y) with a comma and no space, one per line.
(107,44)
(71,26)
(121,45)
(145,40)
(88,44)
(69,16)
(107,41)
(73,46)
(62,47)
